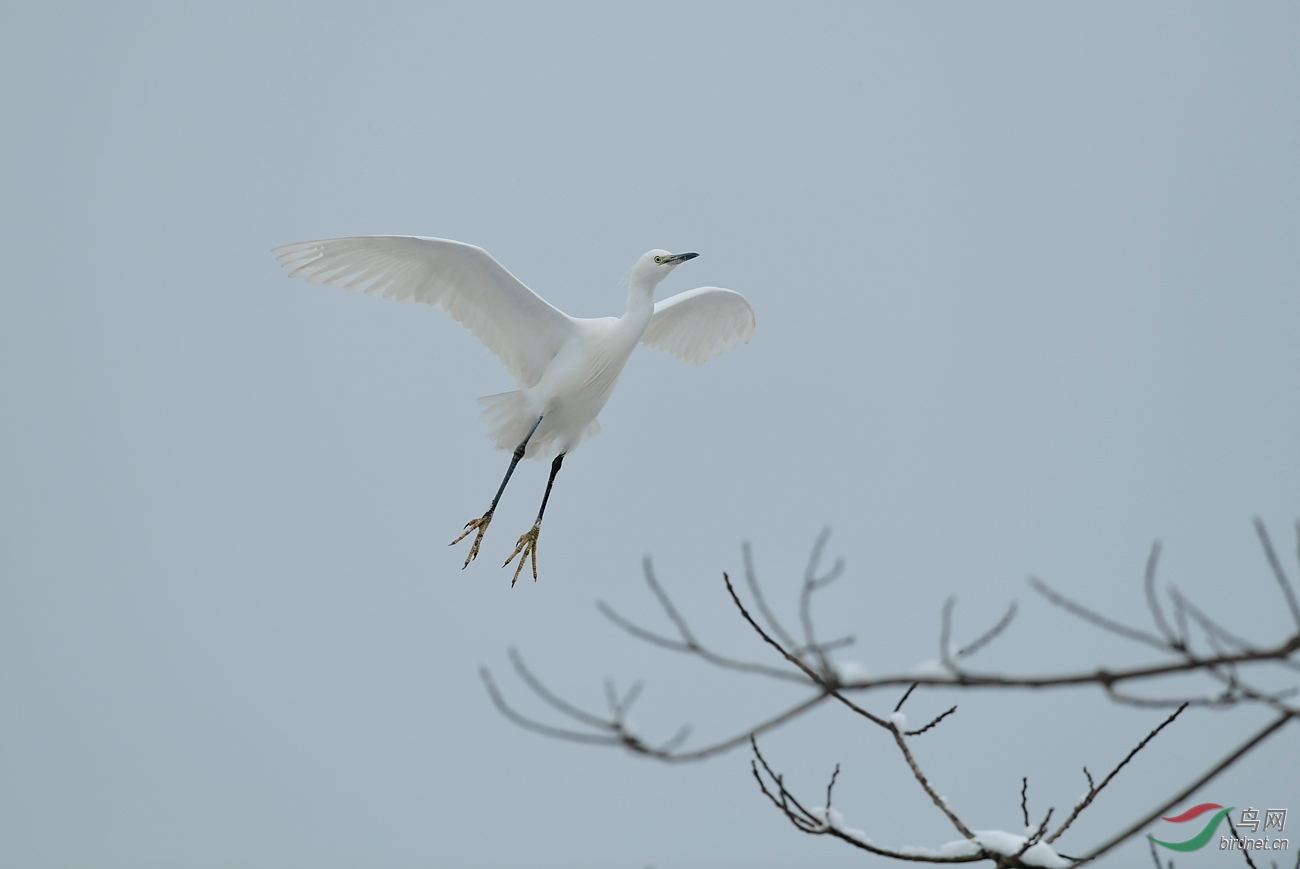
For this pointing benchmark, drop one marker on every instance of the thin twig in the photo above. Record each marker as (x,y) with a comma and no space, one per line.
(1177,798)
(925,785)
(906,694)
(828,646)
(1095,618)
(1216,701)
(767,638)
(1154,855)
(1183,643)
(1092,792)
(941,717)
(551,699)
(1024,799)
(695,649)
(1245,852)
(1153,602)
(537,727)
(682,734)
(1037,836)
(728,744)
(830,787)
(805,821)
(991,634)
(620,737)
(664,601)
(625,705)
(811,584)
(865,713)
(1217,631)
(751,579)
(1278,572)
(945,635)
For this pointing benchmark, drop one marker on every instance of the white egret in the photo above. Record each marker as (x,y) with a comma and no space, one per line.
(565,367)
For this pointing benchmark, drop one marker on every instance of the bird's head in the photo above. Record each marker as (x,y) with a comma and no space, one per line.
(656,265)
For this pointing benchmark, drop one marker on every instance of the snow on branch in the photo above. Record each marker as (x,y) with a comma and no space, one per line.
(1187,639)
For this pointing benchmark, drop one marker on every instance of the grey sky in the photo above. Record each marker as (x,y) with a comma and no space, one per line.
(1025,280)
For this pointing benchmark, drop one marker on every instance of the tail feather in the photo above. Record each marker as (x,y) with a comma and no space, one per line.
(508,420)
(505,417)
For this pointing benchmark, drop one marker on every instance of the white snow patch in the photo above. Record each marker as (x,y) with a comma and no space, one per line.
(929,668)
(851,671)
(1001,842)
(960,848)
(899,720)
(836,820)
(837,824)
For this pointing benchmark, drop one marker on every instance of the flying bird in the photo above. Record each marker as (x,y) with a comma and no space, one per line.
(565,367)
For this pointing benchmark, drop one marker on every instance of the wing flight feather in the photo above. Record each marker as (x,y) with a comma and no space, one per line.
(521,328)
(700,323)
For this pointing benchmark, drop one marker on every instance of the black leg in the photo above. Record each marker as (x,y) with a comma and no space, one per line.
(480,524)
(555,469)
(514,460)
(526,548)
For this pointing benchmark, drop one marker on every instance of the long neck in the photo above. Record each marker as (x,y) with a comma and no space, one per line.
(640,300)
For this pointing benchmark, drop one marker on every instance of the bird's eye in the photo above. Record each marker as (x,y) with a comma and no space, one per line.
(659,260)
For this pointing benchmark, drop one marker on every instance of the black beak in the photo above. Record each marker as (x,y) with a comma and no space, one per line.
(679,258)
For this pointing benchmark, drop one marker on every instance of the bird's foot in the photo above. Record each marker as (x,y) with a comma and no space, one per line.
(526,549)
(479,525)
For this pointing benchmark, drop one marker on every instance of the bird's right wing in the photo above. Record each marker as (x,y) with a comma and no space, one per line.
(700,323)
(519,326)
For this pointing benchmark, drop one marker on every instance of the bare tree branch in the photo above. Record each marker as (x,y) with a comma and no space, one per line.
(751,579)
(830,786)
(930,726)
(1093,791)
(1278,572)
(806,821)
(812,583)
(945,635)
(1156,857)
(1229,661)
(1244,851)
(925,783)
(678,646)
(551,699)
(767,638)
(1177,798)
(1153,602)
(991,634)
(1222,634)
(1037,836)
(1099,620)
(536,727)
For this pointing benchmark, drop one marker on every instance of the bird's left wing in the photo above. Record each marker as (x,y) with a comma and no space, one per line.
(521,328)
(700,323)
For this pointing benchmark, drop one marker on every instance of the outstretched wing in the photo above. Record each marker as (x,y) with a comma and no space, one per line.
(519,326)
(700,323)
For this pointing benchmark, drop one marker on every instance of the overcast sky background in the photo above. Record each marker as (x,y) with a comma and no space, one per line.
(1026,286)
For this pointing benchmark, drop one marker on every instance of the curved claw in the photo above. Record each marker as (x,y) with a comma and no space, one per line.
(526,549)
(480,525)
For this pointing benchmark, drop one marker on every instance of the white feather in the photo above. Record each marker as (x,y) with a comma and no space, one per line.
(699,324)
(565,367)
(516,324)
